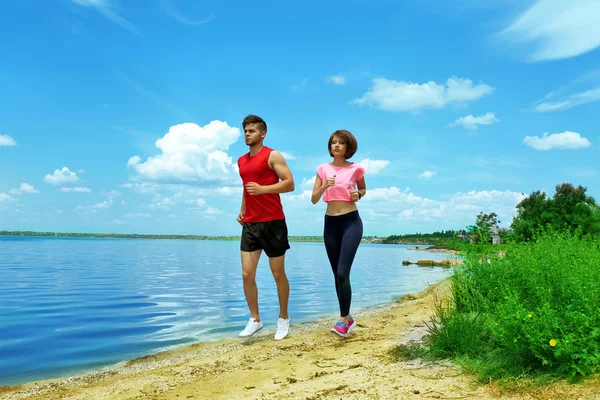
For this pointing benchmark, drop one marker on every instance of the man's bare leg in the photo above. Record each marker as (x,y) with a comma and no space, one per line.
(277,265)
(249,265)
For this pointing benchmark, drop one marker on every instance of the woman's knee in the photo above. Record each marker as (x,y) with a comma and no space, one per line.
(343,277)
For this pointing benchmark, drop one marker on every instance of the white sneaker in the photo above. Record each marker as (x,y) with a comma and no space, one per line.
(251,328)
(283,327)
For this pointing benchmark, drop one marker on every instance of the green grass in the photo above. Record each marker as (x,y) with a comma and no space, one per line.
(532,315)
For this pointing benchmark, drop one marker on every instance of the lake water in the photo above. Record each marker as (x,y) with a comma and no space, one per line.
(70,305)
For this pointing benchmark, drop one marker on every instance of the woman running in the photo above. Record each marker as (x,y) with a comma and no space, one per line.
(342,184)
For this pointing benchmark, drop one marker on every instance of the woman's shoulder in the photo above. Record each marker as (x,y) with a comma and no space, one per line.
(320,167)
(356,165)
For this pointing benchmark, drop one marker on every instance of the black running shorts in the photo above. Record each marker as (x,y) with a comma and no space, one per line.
(271,236)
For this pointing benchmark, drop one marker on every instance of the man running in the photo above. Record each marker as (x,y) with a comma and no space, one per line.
(265,175)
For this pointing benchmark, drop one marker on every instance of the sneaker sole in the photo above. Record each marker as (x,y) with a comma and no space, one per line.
(338,333)
(351,327)
(252,332)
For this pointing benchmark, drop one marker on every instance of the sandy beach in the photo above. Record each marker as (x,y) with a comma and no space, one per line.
(311,363)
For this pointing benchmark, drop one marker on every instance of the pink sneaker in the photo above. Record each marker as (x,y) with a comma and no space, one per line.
(351,324)
(341,328)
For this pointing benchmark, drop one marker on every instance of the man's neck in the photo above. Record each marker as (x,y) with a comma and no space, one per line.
(255,149)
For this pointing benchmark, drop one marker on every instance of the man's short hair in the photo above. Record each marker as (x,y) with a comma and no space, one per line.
(346,136)
(255,119)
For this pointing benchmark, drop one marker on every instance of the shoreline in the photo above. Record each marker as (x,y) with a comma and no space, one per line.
(443,251)
(23,379)
(310,363)
(322,322)
(46,388)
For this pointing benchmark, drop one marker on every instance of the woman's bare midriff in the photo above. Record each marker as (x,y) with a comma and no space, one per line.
(337,207)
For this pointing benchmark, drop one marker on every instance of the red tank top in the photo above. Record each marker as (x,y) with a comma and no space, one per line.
(262,207)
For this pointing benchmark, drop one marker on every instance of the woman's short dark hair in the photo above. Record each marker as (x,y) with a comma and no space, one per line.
(348,137)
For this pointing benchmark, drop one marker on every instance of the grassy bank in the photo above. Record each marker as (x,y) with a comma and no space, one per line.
(531,314)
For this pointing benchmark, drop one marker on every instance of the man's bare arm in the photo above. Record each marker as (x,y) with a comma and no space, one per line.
(240,217)
(286,183)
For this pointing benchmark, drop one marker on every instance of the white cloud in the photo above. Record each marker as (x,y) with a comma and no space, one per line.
(203,210)
(6,140)
(189,191)
(111,194)
(158,206)
(86,210)
(373,166)
(75,190)
(105,8)
(213,211)
(168,201)
(6,198)
(191,154)
(136,215)
(427,174)
(24,188)
(117,222)
(565,140)
(556,30)
(392,210)
(27,188)
(62,177)
(308,183)
(303,198)
(572,100)
(585,89)
(338,79)
(191,202)
(459,210)
(93,3)
(133,161)
(174,12)
(287,156)
(472,122)
(103,204)
(398,96)
(143,188)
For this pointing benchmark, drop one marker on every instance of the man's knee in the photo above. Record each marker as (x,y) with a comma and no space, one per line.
(248,276)
(279,275)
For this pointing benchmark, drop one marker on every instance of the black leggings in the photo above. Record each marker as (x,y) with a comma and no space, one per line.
(342,236)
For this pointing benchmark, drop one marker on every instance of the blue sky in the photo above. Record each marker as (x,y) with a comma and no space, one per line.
(125,115)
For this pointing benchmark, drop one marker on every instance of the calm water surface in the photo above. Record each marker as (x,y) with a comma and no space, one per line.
(70,305)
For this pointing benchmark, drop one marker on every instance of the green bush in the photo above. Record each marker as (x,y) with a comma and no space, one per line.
(534,310)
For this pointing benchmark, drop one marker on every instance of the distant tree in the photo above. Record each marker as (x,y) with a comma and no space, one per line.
(484,227)
(569,209)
